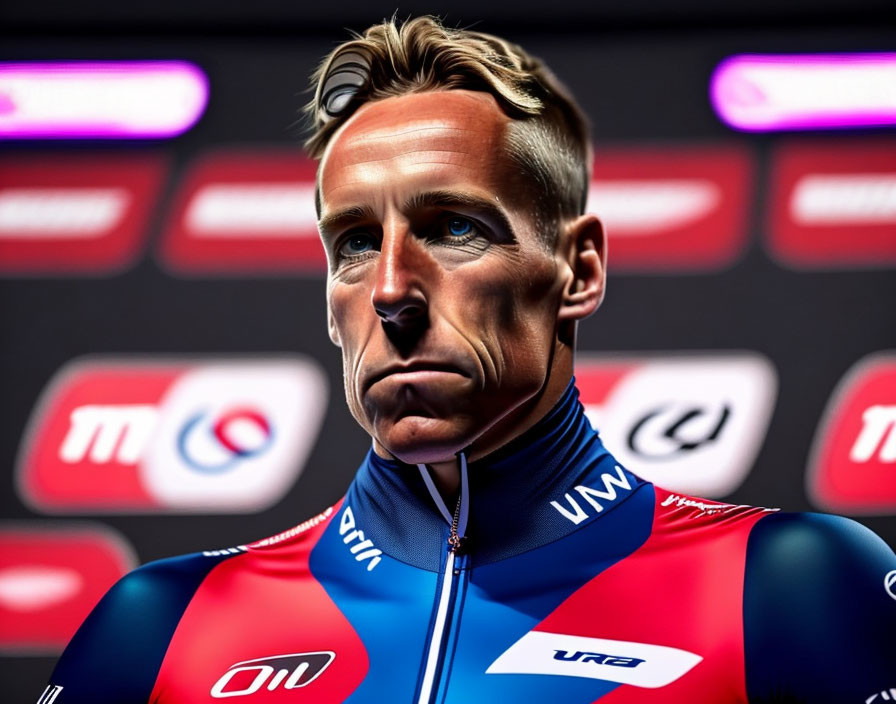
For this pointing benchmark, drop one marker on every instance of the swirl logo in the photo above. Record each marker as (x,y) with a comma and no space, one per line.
(692,423)
(213,444)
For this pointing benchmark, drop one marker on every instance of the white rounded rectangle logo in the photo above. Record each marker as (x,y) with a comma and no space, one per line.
(637,664)
(692,423)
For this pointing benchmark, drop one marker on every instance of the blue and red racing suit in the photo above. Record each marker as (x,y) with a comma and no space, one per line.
(560,576)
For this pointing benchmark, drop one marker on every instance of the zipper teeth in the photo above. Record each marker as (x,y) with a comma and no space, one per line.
(434,653)
(455,540)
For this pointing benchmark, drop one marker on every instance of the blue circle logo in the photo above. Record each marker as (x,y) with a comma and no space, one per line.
(215,445)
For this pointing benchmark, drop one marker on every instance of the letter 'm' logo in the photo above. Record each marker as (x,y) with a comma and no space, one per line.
(852,464)
(878,435)
(108,433)
(275,672)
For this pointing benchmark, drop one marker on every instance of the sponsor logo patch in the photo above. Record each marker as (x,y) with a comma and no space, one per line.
(834,205)
(887,695)
(294,531)
(48,696)
(591,500)
(50,579)
(359,545)
(225,551)
(702,508)
(637,664)
(852,465)
(244,213)
(155,435)
(74,214)
(598,658)
(691,423)
(672,209)
(276,672)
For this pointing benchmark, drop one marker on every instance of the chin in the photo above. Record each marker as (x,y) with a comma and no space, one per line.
(423,440)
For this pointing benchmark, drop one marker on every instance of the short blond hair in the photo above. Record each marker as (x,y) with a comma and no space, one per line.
(548,138)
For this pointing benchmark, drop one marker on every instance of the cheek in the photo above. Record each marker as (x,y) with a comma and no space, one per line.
(348,320)
(515,314)
(342,304)
(349,323)
(531,293)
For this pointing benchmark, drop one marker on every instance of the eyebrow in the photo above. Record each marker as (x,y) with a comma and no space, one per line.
(346,217)
(343,218)
(457,199)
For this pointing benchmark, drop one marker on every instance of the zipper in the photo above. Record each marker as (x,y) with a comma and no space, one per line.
(454,564)
(454,540)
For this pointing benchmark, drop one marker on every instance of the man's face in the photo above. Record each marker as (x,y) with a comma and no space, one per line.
(440,292)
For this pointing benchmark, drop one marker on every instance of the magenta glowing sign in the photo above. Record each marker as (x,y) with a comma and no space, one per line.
(100,99)
(764,93)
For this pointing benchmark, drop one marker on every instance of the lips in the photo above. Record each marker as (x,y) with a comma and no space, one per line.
(412,366)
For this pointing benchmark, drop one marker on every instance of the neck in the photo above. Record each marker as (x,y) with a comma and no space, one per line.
(446,474)
(512,492)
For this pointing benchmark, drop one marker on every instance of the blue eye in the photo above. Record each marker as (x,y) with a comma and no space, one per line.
(358,243)
(459,227)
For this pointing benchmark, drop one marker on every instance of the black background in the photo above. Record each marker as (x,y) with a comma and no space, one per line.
(640,70)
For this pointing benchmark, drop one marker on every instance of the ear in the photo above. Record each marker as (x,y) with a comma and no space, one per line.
(586,256)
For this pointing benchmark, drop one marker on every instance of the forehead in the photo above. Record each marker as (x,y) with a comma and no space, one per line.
(426,140)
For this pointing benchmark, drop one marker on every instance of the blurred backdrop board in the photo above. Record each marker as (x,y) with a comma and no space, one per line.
(168,382)
(563,14)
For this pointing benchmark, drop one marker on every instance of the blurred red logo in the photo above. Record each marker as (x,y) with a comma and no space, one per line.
(138,436)
(243,213)
(50,579)
(834,206)
(672,209)
(75,214)
(852,466)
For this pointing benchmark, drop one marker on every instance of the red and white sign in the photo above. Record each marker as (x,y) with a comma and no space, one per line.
(672,209)
(852,466)
(50,579)
(691,423)
(243,213)
(834,204)
(75,214)
(154,435)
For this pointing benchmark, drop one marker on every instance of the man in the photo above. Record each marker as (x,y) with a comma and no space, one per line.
(490,548)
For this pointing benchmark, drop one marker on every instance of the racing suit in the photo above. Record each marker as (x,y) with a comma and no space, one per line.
(558,576)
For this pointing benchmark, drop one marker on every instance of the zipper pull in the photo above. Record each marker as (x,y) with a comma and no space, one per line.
(457,536)
(455,541)
(456,544)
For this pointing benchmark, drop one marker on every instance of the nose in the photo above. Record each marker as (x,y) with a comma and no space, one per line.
(398,295)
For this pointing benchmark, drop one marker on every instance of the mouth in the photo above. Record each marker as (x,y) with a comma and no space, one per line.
(410,372)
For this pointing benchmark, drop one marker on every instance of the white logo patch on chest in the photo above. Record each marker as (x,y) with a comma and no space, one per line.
(637,664)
